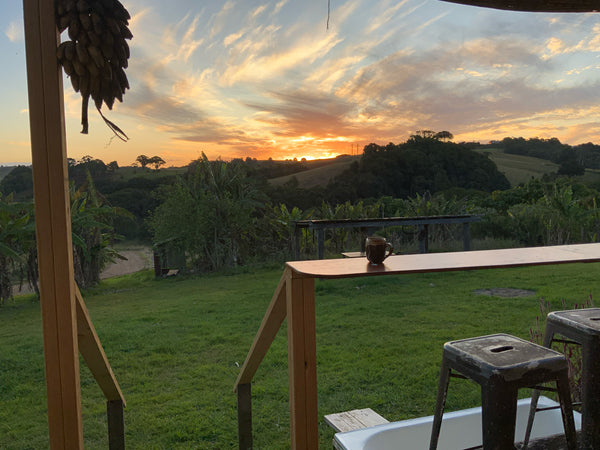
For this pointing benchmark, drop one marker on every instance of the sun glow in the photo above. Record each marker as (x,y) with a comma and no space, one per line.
(309,157)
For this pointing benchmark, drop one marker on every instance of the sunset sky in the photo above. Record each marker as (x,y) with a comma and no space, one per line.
(239,78)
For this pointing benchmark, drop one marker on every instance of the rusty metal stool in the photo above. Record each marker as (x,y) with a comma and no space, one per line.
(502,364)
(581,326)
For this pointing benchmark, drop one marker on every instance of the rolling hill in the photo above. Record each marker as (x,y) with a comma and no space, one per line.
(321,172)
(518,169)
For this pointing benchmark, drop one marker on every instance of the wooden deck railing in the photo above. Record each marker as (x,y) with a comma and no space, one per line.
(369,226)
(294,299)
(267,331)
(93,354)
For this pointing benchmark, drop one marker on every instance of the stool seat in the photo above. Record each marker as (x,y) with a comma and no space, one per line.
(503,356)
(577,323)
(583,327)
(502,364)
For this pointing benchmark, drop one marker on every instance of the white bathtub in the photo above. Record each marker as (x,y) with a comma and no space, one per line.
(460,429)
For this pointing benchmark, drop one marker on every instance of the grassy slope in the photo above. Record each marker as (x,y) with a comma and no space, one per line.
(175,345)
(323,171)
(518,169)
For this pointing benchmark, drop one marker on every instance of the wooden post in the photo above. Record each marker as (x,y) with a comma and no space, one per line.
(244,404)
(320,242)
(423,238)
(466,237)
(296,244)
(116,425)
(53,225)
(302,362)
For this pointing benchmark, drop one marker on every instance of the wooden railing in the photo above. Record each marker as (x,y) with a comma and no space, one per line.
(294,299)
(369,226)
(267,331)
(93,354)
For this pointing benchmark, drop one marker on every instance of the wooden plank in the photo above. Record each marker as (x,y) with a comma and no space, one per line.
(442,262)
(53,226)
(353,254)
(354,420)
(302,363)
(93,353)
(267,331)
(385,222)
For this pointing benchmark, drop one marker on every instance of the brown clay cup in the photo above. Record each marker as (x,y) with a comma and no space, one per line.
(377,249)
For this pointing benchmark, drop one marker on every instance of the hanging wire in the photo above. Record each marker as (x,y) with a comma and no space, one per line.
(328,12)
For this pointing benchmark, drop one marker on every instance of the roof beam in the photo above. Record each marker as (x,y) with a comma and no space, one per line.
(549,6)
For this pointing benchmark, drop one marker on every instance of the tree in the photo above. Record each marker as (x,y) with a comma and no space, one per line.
(18,256)
(19,182)
(92,232)
(209,214)
(425,134)
(156,161)
(444,136)
(142,160)
(569,165)
(112,166)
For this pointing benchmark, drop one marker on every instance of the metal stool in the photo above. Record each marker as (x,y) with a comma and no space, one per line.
(581,326)
(501,364)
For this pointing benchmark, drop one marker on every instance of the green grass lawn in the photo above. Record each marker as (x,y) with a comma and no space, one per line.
(176,345)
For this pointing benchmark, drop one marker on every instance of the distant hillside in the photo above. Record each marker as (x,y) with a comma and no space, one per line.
(517,168)
(520,169)
(319,173)
(4,170)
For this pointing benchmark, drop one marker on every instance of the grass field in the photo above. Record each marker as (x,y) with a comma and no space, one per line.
(176,345)
(517,169)
(323,171)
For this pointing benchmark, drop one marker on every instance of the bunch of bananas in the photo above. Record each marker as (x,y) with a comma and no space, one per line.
(96,53)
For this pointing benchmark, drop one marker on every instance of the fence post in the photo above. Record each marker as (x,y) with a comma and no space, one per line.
(296,241)
(116,425)
(244,403)
(423,238)
(466,237)
(321,242)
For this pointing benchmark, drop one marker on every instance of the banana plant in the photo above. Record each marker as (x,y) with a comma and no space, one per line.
(17,245)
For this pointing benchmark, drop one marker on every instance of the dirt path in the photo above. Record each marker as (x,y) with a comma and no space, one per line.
(138,258)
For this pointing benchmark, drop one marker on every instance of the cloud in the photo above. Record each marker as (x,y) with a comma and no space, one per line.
(257,59)
(14,32)
(246,79)
(164,110)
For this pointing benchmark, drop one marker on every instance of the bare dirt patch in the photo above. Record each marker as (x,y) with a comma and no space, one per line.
(504,292)
(136,259)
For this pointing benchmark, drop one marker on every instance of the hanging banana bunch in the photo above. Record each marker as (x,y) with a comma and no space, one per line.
(96,53)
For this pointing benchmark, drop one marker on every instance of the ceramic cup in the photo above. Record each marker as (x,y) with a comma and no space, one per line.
(377,249)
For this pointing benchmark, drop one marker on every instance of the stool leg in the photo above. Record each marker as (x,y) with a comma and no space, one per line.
(439,404)
(566,408)
(498,416)
(535,395)
(590,412)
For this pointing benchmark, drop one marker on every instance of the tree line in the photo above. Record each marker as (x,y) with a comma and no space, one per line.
(219,214)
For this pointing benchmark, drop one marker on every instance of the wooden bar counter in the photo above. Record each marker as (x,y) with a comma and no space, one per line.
(294,298)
